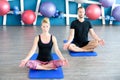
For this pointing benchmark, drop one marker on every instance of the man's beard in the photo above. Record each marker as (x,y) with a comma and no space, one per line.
(81,17)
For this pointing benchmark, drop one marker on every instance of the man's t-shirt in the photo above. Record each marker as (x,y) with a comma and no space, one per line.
(81,32)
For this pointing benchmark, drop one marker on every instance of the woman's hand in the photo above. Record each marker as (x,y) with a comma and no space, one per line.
(65,62)
(23,63)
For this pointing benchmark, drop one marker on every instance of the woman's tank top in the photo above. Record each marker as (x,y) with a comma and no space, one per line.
(45,50)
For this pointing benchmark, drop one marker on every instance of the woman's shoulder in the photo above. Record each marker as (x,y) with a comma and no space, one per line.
(53,36)
(37,37)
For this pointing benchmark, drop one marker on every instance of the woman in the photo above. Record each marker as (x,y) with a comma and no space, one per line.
(44,60)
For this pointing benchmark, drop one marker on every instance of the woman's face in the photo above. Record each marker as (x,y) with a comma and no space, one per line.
(45,27)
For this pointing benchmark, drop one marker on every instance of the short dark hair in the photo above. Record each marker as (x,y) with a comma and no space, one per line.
(81,7)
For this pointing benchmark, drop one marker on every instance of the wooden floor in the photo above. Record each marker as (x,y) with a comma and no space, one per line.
(15,42)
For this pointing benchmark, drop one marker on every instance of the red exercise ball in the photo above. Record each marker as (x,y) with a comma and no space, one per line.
(28,17)
(4,7)
(93,12)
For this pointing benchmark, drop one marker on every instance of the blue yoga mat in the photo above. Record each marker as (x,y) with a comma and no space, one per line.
(46,74)
(72,53)
(82,53)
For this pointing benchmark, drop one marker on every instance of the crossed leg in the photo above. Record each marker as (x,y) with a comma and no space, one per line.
(35,64)
(89,47)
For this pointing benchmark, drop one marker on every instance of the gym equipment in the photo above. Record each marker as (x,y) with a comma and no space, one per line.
(116,13)
(93,12)
(75,54)
(16,10)
(47,9)
(28,17)
(106,3)
(4,7)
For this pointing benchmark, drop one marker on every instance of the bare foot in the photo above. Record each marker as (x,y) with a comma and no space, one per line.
(88,50)
(42,67)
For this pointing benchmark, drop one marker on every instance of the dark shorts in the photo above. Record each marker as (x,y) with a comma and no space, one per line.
(81,44)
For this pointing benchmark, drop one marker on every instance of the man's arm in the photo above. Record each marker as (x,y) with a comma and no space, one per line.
(71,36)
(70,39)
(95,36)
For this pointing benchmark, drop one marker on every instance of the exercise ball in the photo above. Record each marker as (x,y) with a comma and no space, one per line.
(93,12)
(106,3)
(47,9)
(116,13)
(4,7)
(80,1)
(28,17)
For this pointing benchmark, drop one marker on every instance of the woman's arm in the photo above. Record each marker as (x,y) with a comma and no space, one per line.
(31,52)
(55,45)
(65,61)
(34,47)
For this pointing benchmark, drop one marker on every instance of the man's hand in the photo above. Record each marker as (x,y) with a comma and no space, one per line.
(101,42)
(66,45)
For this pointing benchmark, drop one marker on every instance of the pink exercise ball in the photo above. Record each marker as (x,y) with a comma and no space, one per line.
(4,7)
(28,17)
(93,12)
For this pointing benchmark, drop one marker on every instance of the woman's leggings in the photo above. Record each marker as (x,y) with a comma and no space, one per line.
(32,64)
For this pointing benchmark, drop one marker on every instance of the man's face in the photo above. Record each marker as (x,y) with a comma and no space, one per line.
(81,12)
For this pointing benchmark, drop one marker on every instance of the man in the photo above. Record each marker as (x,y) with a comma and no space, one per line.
(78,37)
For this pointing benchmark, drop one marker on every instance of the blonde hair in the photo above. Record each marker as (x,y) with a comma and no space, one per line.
(46,20)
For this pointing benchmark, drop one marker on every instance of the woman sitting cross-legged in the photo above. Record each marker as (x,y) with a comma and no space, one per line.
(45,41)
